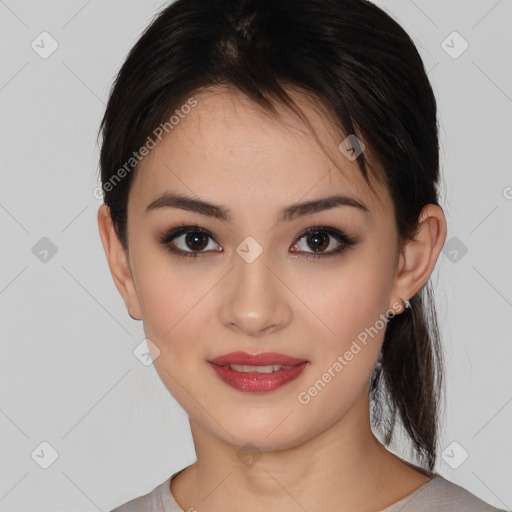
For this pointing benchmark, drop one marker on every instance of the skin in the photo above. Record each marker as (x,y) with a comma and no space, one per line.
(323,454)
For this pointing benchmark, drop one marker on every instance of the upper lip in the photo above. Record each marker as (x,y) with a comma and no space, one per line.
(264,359)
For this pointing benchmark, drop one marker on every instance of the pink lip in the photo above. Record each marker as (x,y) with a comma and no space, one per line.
(254,382)
(264,359)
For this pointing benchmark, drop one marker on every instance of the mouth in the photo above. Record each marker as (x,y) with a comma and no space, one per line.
(243,368)
(258,373)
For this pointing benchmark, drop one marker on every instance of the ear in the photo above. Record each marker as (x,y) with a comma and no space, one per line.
(420,254)
(118,262)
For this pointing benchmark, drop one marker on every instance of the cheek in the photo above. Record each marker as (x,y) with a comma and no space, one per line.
(352,298)
(174,308)
(171,298)
(353,305)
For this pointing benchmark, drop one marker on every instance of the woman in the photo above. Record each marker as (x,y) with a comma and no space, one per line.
(270,174)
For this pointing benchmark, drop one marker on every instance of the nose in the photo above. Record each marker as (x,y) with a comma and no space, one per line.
(255,301)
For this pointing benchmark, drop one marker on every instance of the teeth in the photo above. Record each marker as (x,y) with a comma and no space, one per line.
(258,369)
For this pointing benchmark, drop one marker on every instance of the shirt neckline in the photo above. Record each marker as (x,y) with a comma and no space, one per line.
(172,502)
(434,478)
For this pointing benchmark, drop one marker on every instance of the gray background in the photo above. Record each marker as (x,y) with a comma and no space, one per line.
(68,373)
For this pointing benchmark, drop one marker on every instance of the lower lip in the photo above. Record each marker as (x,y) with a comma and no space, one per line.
(252,382)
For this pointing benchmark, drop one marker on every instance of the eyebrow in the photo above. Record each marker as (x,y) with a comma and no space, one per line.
(172,200)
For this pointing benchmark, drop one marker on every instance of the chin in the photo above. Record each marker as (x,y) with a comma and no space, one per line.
(266,434)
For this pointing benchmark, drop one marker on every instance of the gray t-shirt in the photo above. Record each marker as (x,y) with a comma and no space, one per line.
(437,495)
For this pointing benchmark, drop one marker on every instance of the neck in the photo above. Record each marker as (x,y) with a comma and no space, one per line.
(343,468)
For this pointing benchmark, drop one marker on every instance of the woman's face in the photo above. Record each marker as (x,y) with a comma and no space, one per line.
(253,283)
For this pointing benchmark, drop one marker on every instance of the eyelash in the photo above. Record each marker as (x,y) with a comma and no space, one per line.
(345,241)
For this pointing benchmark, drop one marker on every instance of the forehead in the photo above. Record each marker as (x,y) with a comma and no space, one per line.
(230,150)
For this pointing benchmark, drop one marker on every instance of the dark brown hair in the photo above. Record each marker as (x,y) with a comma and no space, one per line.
(358,63)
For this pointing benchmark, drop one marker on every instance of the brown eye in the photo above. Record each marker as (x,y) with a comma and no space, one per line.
(196,241)
(319,239)
(189,241)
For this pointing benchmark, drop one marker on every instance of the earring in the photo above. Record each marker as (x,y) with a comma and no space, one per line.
(407,305)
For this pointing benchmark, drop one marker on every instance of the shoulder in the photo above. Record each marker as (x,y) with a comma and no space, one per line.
(158,500)
(440,495)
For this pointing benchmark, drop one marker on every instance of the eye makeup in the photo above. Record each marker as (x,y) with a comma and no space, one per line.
(320,237)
